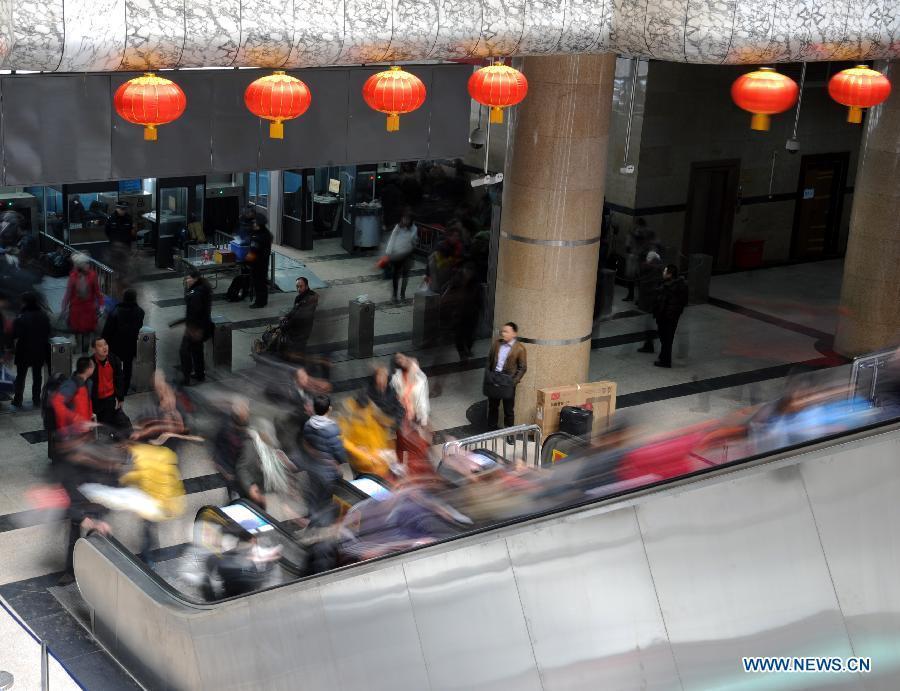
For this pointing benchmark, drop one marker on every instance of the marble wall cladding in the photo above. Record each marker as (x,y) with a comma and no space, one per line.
(627,28)
(267,33)
(94,35)
(664,27)
(753,27)
(90,35)
(586,26)
(414,29)
(38,33)
(368,29)
(502,24)
(213,30)
(154,34)
(543,27)
(459,29)
(318,32)
(704,39)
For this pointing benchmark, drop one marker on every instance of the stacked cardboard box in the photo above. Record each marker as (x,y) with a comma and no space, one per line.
(599,396)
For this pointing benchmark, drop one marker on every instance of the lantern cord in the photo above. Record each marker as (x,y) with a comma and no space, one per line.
(487,146)
(634,77)
(799,100)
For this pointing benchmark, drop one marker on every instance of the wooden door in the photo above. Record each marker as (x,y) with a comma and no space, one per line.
(819,204)
(709,218)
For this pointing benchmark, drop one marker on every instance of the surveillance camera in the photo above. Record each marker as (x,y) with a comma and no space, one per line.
(476,139)
(792,146)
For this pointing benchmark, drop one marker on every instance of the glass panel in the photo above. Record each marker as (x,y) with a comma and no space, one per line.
(88,212)
(173,210)
(293,194)
(262,192)
(53,208)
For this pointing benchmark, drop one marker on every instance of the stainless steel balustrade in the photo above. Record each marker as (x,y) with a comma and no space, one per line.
(526,444)
(668,588)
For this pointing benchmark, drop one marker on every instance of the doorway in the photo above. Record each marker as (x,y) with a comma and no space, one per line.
(820,201)
(709,218)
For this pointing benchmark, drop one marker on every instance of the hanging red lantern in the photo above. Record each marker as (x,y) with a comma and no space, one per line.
(394,92)
(764,93)
(498,86)
(150,101)
(859,87)
(277,97)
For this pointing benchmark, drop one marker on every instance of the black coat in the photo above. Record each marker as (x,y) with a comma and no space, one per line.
(671,299)
(122,328)
(198,308)
(120,229)
(297,325)
(31,331)
(118,379)
(261,249)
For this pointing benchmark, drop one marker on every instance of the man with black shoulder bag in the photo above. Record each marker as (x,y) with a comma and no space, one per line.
(506,365)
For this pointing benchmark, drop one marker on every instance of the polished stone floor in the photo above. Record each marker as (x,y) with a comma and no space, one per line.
(734,351)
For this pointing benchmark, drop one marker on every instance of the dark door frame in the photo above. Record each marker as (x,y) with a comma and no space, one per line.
(837,202)
(734,164)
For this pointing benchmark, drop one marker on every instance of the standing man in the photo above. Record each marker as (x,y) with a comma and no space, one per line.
(258,258)
(399,251)
(198,327)
(507,364)
(121,333)
(31,331)
(297,325)
(108,387)
(671,299)
(120,228)
(649,281)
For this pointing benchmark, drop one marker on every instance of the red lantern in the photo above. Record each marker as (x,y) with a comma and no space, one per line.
(394,92)
(764,93)
(150,101)
(859,87)
(277,97)
(498,86)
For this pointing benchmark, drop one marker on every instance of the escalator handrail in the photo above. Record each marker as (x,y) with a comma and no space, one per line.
(105,544)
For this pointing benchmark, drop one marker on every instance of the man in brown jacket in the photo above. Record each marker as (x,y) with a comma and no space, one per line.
(506,366)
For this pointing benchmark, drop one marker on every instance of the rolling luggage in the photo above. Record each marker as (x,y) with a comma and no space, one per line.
(576,421)
(239,288)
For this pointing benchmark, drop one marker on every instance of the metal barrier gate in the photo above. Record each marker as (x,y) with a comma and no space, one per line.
(526,444)
(865,372)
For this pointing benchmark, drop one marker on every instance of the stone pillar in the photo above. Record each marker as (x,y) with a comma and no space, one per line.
(870,293)
(550,229)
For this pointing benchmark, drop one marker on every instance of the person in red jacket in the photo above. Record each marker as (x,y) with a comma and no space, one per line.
(82,300)
(72,407)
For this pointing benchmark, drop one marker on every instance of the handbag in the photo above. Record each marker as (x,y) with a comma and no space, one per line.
(498,385)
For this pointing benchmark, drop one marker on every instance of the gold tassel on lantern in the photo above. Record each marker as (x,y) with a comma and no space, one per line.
(496,115)
(854,115)
(276,129)
(393,122)
(150,133)
(760,122)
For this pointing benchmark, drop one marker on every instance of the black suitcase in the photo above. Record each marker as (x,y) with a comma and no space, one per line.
(239,288)
(576,421)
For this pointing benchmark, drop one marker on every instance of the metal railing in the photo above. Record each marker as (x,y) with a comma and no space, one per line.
(865,371)
(104,273)
(526,444)
(428,237)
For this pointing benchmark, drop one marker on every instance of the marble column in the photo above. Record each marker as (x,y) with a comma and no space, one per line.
(870,293)
(550,229)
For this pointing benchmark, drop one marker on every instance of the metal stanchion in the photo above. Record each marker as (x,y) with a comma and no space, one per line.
(45,668)
(6,681)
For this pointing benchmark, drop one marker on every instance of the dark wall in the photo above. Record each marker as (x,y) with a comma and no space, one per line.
(63,128)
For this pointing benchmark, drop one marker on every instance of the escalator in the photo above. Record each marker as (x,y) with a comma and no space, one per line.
(791,553)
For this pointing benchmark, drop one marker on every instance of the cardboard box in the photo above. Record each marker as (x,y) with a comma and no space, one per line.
(601,396)
(224,257)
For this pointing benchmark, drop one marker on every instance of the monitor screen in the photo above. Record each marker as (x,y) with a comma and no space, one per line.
(371,488)
(250,521)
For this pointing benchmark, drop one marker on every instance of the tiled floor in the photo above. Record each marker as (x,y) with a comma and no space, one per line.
(730,353)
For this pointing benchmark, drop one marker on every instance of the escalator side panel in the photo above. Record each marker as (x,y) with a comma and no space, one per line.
(373,633)
(738,566)
(858,524)
(588,597)
(470,619)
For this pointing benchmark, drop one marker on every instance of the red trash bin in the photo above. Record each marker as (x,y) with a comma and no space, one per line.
(748,254)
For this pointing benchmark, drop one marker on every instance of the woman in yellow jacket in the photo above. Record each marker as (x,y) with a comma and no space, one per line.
(364,430)
(156,473)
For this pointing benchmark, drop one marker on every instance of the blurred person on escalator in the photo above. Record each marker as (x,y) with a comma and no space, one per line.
(365,431)
(383,395)
(243,568)
(229,442)
(121,330)
(413,440)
